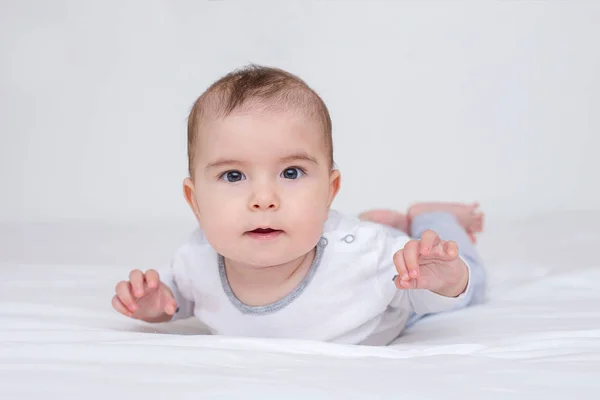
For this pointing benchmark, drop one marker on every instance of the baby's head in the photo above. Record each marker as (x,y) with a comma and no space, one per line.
(260,156)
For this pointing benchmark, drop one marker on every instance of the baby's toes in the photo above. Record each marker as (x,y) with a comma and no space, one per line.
(473,207)
(472,237)
(477,225)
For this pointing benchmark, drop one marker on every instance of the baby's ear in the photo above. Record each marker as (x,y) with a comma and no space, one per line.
(189,192)
(335,180)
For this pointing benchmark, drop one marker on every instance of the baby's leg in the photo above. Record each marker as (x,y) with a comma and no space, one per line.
(467,215)
(387,217)
(448,227)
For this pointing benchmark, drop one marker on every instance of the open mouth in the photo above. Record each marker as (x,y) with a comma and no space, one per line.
(264,230)
(264,233)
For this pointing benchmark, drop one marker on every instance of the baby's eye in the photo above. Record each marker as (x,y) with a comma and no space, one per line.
(292,173)
(232,176)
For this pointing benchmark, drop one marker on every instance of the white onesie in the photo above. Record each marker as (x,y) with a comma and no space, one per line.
(348,295)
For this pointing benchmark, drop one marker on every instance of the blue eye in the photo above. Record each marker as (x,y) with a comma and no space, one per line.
(292,173)
(232,176)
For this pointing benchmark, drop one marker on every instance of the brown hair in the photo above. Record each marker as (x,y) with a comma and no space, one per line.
(255,85)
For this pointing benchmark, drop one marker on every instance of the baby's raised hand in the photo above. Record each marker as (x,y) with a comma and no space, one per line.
(144,297)
(433,264)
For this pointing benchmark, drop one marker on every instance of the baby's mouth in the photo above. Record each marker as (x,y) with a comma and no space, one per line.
(264,230)
(264,233)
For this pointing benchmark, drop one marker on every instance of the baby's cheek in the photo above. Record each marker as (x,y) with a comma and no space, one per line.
(216,221)
(218,207)
(303,208)
(309,223)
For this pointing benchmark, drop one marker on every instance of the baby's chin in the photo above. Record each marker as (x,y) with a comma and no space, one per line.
(266,258)
(260,261)
(264,253)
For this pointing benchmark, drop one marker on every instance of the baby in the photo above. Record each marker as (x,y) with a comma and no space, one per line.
(270,257)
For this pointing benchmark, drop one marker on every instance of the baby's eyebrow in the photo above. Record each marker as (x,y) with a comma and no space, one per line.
(222,162)
(292,157)
(299,156)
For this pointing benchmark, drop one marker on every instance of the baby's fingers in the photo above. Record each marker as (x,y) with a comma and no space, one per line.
(400,265)
(136,277)
(411,257)
(429,239)
(152,279)
(402,280)
(451,249)
(123,291)
(170,307)
(120,307)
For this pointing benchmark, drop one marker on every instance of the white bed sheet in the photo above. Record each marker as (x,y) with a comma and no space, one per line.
(538,336)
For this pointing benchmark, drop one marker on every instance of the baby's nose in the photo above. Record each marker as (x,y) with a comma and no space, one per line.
(265,198)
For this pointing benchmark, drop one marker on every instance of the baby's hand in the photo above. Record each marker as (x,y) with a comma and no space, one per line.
(144,297)
(433,264)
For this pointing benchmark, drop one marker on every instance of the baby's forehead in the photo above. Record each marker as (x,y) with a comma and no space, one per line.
(263,119)
(262,133)
(258,124)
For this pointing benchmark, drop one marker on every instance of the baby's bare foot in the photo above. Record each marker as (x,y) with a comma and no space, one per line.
(387,217)
(467,215)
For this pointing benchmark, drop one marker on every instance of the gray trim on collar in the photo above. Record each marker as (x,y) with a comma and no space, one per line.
(279,304)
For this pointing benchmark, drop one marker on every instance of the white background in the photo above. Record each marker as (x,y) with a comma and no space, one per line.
(496,101)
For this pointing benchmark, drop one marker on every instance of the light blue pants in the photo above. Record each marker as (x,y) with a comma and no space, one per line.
(448,228)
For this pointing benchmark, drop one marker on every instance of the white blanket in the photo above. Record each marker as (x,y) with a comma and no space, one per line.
(538,336)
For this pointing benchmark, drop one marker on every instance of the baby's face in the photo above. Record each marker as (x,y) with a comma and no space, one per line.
(263,186)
